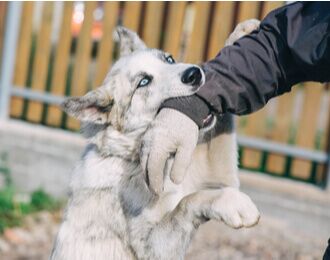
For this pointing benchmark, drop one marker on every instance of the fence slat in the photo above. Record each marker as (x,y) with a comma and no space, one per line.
(248,10)
(255,126)
(324,127)
(174,28)
(255,122)
(323,171)
(61,63)
(104,56)
(221,27)
(41,62)
(153,24)
(197,39)
(22,56)
(308,126)
(2,23)
(132,15)
(269,6)
(82,59)
(281,130)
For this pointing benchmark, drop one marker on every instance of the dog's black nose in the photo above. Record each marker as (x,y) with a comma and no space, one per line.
(192,76)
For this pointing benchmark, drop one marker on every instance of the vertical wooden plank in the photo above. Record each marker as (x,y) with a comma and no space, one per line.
(323,143)
(22,56)
(308,126)
(153,24)
(197,39)
(281,130)
(174,27)
(255,127)
(323,170)
(325,119)
(132,14)
(82,59)
(255,122)
(221,27)
(248,10)
(3,6)
(62,58)
(40,66)
(104,55)
(269,6)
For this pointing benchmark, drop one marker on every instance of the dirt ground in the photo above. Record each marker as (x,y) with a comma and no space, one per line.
(270,239)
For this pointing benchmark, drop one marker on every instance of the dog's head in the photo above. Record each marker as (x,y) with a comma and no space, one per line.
(135,86)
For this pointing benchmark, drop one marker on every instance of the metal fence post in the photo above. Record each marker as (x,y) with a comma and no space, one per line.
(8,56)
(327,177)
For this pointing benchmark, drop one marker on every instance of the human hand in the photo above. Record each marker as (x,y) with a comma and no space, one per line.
(171,132)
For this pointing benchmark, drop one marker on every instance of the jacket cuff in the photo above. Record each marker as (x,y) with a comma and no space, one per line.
(192,106)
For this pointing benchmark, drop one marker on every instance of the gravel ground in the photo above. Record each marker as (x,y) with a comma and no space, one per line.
(270,239)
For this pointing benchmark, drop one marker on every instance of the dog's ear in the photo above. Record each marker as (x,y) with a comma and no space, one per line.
(93,107)
(129,41)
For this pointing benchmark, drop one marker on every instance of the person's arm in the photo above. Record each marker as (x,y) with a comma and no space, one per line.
(291,46)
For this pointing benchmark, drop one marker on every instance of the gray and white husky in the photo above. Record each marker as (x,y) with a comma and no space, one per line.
(111,213)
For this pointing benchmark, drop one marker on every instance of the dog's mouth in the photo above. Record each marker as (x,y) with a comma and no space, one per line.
(196,88)
(209,122)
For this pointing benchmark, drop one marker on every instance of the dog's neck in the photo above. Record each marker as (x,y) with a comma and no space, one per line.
(119,143)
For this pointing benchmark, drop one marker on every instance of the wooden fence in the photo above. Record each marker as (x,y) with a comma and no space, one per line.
(2,23)
(61,58)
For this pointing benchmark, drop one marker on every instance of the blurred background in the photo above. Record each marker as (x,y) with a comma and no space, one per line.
(50,50)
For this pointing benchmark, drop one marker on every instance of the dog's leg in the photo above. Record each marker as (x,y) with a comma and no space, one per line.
(228,204)
(170,237)
(221,162)
(242,29)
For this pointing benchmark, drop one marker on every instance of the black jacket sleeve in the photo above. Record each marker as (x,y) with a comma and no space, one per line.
(291,46)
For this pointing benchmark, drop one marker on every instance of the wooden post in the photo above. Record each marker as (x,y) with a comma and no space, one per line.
(255,122)
(307,126)
(222,26)
(132,15)
(326,170)
(105,50)
(82,59)
(41,62)
(23,53)
(197,38)
(153,24)
(174,28)
(61,63)
(3,6)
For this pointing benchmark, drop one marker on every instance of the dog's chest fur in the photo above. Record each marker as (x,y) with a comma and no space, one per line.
(112,208)
(94,221)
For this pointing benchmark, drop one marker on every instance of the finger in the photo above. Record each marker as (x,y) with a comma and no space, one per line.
(155,169)
(182,160)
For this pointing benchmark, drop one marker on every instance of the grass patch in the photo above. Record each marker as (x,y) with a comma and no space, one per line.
(12,211)
(14,206)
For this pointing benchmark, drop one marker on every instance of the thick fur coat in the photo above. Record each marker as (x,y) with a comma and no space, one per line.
(111,213)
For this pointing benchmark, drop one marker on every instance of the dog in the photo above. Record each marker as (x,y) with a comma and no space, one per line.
(111,212)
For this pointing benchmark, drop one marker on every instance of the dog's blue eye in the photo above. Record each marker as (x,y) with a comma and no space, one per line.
(144,82)
(170,59)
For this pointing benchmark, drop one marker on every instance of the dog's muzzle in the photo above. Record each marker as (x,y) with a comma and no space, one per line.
(192,76)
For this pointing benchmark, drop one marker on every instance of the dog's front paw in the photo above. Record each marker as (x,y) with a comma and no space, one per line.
(236,209)
(242,29)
